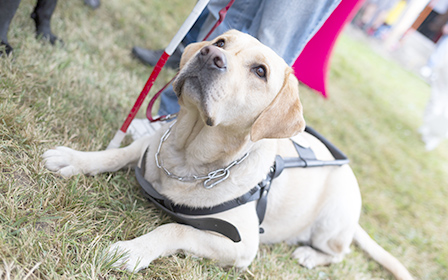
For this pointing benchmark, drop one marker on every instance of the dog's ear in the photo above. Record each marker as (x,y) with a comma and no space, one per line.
(283,117)
(190,50)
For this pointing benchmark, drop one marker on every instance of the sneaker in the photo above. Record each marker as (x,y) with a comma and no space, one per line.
(150,57)
(143,127)
(5,49)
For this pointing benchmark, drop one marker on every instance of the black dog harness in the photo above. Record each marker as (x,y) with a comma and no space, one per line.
(258,193)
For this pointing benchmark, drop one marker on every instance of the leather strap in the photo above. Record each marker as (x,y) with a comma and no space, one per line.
(307,157)
(260,192)
(212,224)
(276,170)
(253,194)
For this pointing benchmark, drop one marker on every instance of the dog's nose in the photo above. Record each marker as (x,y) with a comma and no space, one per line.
(214,57)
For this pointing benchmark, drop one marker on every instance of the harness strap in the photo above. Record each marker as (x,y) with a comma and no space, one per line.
(253,194)
(276,170)
(260,192)
(307,158)
(212,224)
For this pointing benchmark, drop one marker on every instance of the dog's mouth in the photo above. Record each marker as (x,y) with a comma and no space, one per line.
(191,87)
(201,87)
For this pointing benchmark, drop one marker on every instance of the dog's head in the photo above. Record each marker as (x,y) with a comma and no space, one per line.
(236,81)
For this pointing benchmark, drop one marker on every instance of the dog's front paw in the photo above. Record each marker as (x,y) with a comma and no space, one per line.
(63,160)
(306,256)
(129,256)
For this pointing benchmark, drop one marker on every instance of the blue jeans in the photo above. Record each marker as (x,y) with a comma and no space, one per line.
(283,25)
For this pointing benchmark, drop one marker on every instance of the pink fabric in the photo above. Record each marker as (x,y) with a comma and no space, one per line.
(311,67)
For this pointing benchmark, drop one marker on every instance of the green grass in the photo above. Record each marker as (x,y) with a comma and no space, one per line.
(78,95)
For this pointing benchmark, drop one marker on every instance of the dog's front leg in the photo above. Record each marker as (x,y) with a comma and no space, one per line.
(168,239)
(69,162)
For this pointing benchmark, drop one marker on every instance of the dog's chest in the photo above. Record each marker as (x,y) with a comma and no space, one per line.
(194,194)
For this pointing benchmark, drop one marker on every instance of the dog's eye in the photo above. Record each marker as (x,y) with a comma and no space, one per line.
(260,71)
(220,43)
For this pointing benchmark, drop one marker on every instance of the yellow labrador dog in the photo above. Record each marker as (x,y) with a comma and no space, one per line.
(239,104)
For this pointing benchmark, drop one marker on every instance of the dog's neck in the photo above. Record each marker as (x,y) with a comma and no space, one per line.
(193,148)
(207,145)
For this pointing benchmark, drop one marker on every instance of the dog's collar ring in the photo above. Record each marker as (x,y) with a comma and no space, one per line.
(211,179)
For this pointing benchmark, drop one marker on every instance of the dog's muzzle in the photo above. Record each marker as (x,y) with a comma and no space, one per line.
(201,80)
(204,68)
(213,58)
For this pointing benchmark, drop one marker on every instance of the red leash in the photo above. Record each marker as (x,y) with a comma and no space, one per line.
(152,78)
(222,15)
(183,30)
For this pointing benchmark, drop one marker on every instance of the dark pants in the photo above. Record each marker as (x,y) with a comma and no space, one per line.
(42,16)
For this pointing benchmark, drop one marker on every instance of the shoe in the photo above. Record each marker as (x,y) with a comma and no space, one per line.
(43,30)
(143,127)
(92,3)
(150,57)
(6,50)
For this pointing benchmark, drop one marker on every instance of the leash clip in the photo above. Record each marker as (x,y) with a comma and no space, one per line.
(168,117)
(220,173)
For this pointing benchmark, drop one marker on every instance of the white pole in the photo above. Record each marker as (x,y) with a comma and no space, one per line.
(183,30)
(186,26)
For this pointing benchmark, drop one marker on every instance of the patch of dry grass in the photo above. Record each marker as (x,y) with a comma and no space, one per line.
(78,94)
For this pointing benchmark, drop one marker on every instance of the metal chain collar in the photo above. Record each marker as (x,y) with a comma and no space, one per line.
(211,179)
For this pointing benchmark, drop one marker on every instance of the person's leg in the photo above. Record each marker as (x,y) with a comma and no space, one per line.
(239,17)
(368,13)
(42,17)
(150,57)
(8,9)
(439,52)
(287,26)
(436,56)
